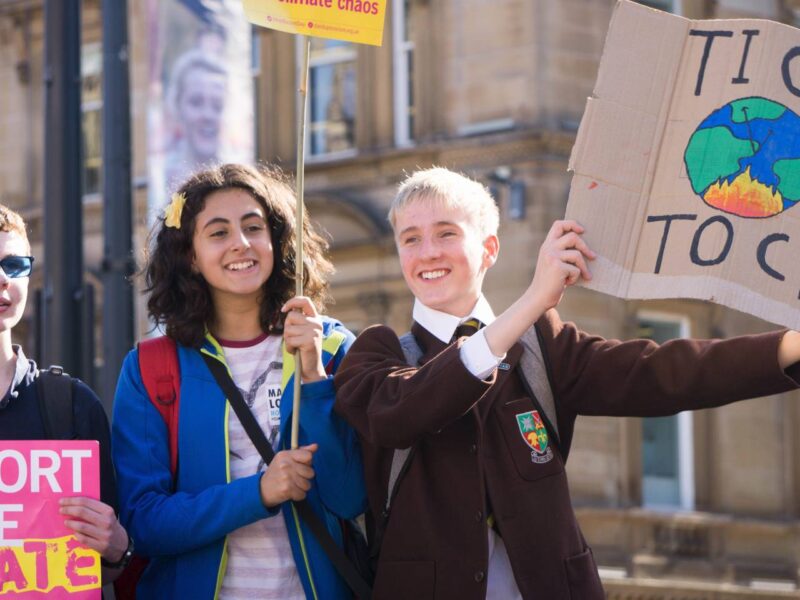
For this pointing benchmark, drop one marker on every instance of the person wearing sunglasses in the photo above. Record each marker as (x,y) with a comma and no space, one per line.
(94,522)
(16,266)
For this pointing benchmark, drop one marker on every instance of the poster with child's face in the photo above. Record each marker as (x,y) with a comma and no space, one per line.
(200,91)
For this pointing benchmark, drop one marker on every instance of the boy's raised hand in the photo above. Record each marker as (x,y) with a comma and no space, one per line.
(302,330)
(561,263)
(288,476)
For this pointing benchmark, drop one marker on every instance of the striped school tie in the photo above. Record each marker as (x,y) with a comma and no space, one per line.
(467,328)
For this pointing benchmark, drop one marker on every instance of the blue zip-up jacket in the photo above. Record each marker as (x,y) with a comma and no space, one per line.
(182,526)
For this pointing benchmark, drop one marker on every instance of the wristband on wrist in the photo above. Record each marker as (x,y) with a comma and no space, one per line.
(124,560)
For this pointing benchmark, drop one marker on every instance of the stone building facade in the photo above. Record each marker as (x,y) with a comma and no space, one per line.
(703,506)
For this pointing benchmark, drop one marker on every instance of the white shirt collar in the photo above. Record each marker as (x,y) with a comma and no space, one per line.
(443,325)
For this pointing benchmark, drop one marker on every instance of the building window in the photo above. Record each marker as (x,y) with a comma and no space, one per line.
(92,117)
(403,73)
(673,6)
(667,445)
(331,97)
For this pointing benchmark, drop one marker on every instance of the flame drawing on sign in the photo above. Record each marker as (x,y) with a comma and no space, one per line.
(744,196)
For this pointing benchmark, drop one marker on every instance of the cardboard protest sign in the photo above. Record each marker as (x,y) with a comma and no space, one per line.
(39,556)
(687,162)
(358,21)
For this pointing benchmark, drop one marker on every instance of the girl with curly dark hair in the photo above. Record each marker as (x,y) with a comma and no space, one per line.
(180,298)
(220,274)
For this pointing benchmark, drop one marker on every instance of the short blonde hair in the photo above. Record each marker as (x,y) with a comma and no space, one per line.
(453,190)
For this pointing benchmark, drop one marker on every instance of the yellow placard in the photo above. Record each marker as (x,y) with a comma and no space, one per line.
(359,21)
(44,565)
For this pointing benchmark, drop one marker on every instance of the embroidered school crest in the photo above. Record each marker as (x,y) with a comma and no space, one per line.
(533,431)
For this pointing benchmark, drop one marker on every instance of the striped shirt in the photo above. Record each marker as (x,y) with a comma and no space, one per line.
(260,562)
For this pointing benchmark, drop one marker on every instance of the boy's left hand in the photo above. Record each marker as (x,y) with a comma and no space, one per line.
(302,330)
(95,525)
(562,262)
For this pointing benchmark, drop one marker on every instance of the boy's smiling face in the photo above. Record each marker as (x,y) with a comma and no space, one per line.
(13,291)
(443,255)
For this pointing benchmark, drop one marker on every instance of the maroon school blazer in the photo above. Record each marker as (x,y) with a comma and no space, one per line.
(484,446)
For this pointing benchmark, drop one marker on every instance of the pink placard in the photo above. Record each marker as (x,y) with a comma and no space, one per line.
(39,556)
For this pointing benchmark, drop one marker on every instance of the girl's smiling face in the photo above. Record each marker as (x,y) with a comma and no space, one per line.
(232,245)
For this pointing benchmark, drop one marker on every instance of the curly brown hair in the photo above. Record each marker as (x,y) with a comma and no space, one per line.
(180,298)
(12,222)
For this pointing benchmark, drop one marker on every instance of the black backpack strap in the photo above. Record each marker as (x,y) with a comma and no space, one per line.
(54,390)
(411,349)
(536,375)
(401,457)
(335,554)
(536,378)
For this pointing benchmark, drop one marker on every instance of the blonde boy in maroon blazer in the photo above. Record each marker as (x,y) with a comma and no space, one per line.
(484,509)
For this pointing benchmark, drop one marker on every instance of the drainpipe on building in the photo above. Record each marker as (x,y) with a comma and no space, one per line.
(63,207)
(118,263)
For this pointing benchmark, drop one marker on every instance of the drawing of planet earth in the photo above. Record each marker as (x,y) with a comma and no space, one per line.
(744,158)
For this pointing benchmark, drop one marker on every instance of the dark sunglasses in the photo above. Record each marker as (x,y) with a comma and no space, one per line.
(17,266)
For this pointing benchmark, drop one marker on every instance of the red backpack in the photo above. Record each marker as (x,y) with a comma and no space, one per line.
(160,372)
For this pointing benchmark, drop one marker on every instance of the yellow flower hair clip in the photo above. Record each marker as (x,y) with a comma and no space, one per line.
(172,214)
